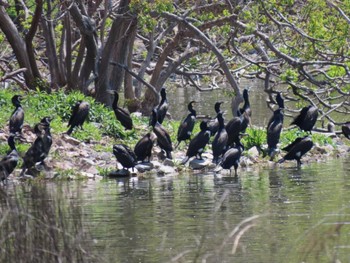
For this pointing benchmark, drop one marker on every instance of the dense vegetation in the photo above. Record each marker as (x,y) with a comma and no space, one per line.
(79,45)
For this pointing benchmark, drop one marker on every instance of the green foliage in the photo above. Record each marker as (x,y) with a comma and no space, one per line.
(290,75)
(255,137)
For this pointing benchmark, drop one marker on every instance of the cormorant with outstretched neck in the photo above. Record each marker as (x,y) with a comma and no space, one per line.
(125,156)
(219,144)
(80,112)
(163,138)
(143,148)
(213,125)
(162,107)
(17,117)
(186,127)
(41,146)
(9,162)
(274,129)
(232,157)
(245,111)
(197,144)
(233,128)
(122,115)
(346,130)
(306,118)
(297,149)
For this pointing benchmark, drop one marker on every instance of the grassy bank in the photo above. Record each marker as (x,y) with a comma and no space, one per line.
(102,129)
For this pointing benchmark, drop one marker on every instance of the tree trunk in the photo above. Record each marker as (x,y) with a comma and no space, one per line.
(116,43)
(18,45)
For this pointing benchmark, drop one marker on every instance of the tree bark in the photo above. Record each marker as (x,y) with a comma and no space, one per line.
(18,45)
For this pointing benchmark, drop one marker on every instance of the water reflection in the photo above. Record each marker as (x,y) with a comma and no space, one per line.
(299,214)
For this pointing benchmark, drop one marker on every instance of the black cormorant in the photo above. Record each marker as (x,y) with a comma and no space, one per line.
(17,117)
(162,107)
(41,146)
(346,130)
(220,141)
(274,129)
(197,144)
(186,127)
(163,138)
(213,125)
(80,112)
(280,100)
(232,157)
(122,115)
(233,128)
(143,148)
(306,118)
(125,156)
(297,149)
(9,162)
(245,111)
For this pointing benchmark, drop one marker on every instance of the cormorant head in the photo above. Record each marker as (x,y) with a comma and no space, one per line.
(217,106)
(153,119)
(280,100)
(163,93)
(203,126)
(245,94)
(16,99)
(11,142)
(46,120)
(190,107)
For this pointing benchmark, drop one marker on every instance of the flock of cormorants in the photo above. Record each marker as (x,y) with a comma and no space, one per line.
(226,144)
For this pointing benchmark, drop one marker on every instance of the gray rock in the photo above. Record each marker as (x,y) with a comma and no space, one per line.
(253,152)
(168,162)
(143,167)
(199,164)
(166,170)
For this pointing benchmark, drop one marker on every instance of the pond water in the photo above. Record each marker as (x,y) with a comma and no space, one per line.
(265,215)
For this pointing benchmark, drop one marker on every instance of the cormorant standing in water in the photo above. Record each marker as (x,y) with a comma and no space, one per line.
(163,138)
(125,156)
(185,129)
(213,125)
(232,157)
(306,118)
(197,144)
(9,162)
(41,146)
(220,141)
(17,117)
(274,129)
(80,112)
(233,128)
(162,107)
(245,111)
(143,148)
(346,130)
(297,149)
(122,115)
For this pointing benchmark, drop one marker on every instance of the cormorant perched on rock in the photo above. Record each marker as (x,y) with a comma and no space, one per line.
(346,130)
(274,129)
(219,144)
(197,144)
(297,149)
(162,107)
(163,138)
(233,128)
(186,127)
(306,118)
(122,115)
(232,157)
(9,162)
(245,111)
(213,125)
(80,112)
(41,146)
(125,156)
(17,117)
(143,148)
